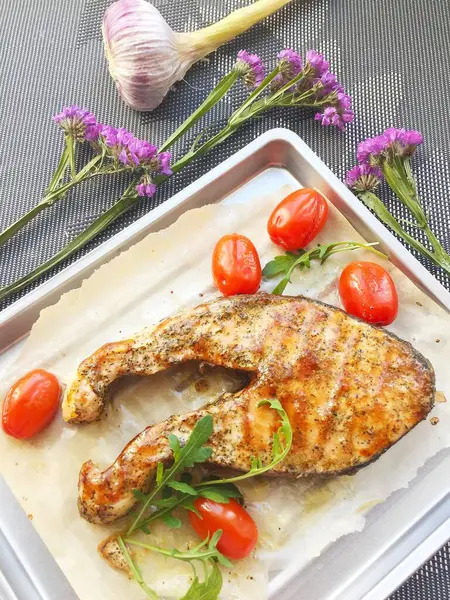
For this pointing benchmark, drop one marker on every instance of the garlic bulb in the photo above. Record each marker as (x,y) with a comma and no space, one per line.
(146,57)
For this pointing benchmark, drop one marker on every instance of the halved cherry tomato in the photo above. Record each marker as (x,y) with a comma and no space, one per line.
(239,531)
(30,404)
(368,292)
(297,219)
(235,265)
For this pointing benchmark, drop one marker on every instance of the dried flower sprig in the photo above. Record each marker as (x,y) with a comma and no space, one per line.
(388,155)
(294,83)
(115,151)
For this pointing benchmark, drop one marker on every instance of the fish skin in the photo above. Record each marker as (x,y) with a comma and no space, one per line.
(351,390)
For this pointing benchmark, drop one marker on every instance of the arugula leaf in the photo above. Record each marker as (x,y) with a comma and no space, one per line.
(166,502)
(282,442)
(221,493)
(286,263)
(174,444)
(188,504)
(139,495)
(171,521)
(209,589)
(205,550)
(159,473)
(180,486)
(279,289)
(184,457)
(135,571)
(280,264)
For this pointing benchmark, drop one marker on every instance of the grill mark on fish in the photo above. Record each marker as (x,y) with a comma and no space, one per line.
(303,352)
(344,348)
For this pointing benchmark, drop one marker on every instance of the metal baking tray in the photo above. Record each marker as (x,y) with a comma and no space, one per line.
(399,535)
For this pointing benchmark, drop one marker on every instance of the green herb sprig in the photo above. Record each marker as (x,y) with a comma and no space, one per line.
(206,553)
(281,444)
(193,452)
(286,263)
(174,489)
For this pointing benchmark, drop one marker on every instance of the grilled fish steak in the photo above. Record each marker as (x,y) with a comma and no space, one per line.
(350,390)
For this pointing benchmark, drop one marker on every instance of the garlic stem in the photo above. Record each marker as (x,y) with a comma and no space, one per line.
(209,38)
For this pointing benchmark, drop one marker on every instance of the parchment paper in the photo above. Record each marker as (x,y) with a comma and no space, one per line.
(163,273)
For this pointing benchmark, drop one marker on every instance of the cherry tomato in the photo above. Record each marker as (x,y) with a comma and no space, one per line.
(368,292)
(239,531)
(297,219)
(235,265)
(30,404)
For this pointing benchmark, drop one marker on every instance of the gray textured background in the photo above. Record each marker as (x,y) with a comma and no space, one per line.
(391,54)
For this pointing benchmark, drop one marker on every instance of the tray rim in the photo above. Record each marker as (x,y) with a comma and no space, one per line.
(281,134)
(100,254)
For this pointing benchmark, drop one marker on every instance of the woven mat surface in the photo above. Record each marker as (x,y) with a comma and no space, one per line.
(391,55)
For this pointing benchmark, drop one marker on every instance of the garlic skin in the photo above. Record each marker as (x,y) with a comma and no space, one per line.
(146,57)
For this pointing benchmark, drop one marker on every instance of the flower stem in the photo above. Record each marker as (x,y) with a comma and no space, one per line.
(8,233)
(261,87)
(128,199)
(60,171)
(211,100)
(401,182)
(70,145)
(373,202)
(53,194)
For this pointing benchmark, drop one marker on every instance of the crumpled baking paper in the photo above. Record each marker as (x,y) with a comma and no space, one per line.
(166,272)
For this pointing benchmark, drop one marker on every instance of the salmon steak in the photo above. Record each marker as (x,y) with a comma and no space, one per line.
(350,390)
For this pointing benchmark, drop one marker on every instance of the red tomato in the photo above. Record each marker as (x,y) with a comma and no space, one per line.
(239,531)
(31,404)
(235,265)
(368,292)
(297,219)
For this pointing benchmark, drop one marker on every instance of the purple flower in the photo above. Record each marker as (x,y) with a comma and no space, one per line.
(250,68)
(317,62)
(393,135)
(109,135)
(164,163)
(369,150)
(336,116)
(116,141)
(290,63)
(78,123)
(392,142)
(412,138)
(140,152)
(344,100)
(364,178)
(146,188)
(328,83)
(92,133)
(133,152)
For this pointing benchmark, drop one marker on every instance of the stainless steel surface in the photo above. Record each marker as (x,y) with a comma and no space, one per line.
(396,539)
